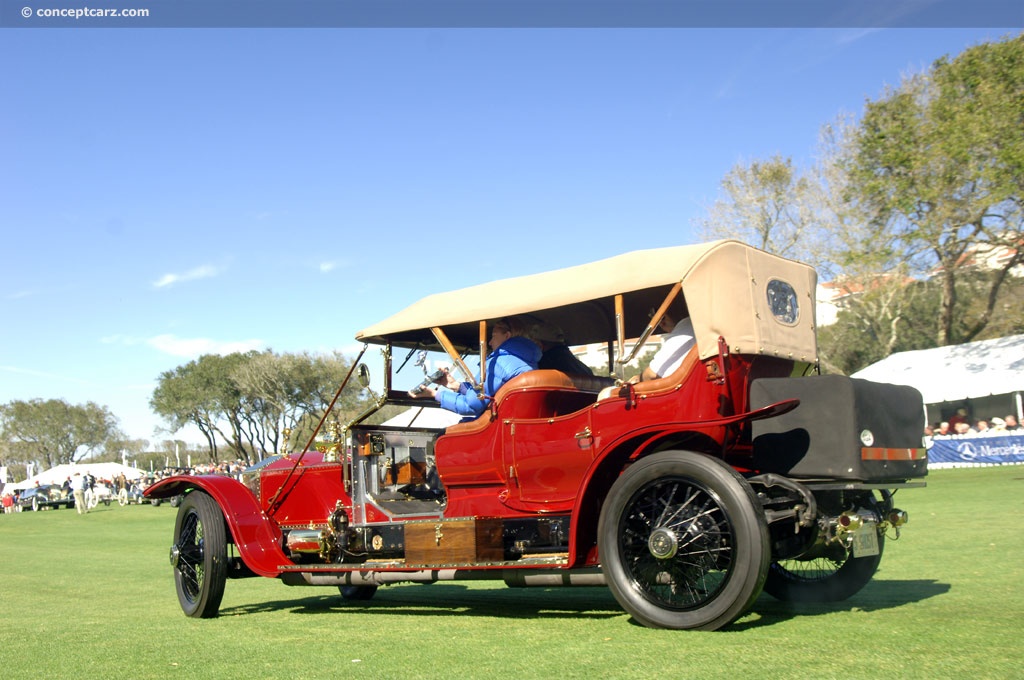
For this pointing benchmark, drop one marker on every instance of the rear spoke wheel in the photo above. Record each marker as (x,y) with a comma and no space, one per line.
(830,573)
(681,543)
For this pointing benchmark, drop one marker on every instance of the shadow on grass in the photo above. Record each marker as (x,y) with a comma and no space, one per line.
(875,596)
(447,599)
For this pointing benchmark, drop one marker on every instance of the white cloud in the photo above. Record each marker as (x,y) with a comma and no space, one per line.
(327,266)
(42,374)
(191,348)
(204,272)
(848,37)
(119,339)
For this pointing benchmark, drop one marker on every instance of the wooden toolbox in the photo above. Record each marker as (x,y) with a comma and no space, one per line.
(454,541)
(409,472)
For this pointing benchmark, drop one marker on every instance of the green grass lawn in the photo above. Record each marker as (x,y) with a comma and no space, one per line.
(93,597)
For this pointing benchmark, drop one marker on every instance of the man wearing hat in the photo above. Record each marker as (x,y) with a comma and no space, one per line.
(556,354)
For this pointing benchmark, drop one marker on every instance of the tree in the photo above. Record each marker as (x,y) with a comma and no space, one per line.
(899,316)
(198,393)
(769,204)
(282,391)
(937,167)
(54,432)
(247,400)
(117,450)
(885,314)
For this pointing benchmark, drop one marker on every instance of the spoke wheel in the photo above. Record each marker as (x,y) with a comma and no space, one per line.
(36,505)
(122,497)
(199,555)
(831,574)
(682,543)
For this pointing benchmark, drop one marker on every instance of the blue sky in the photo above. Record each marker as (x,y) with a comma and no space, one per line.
(168,193)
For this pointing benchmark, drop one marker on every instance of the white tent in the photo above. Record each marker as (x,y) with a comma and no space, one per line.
(59,473)
(956,372)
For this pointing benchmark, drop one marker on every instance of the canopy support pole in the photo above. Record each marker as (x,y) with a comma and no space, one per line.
(450,349)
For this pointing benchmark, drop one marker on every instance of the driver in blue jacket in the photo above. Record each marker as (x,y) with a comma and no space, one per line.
(512,353)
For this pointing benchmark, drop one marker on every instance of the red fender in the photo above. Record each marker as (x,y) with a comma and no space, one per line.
(256,537)
(654,430)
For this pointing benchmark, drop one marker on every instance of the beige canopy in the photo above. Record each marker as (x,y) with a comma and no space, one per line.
(760,303)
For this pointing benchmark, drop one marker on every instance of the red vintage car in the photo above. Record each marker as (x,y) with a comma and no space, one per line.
(686,495)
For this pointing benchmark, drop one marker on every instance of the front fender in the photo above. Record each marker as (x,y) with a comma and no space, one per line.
(257,538)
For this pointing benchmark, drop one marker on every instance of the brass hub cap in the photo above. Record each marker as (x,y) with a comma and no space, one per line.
(175,556)
(663,544)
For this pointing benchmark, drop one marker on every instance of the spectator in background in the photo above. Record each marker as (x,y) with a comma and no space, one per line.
(981,427)
(963,428)
(959,417)
(78,486)
(943,430)
(1011,423)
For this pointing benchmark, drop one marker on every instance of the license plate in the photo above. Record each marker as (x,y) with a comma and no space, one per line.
(865,541)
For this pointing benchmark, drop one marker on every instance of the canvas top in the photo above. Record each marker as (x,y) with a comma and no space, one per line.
(759,302)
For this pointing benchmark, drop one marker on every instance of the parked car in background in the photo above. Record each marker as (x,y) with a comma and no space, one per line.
(174,501)
(99,493)
(45,496)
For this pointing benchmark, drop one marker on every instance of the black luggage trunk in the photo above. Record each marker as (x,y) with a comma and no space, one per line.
(844,428)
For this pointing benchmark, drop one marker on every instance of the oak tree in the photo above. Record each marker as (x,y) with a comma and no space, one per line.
(53,432)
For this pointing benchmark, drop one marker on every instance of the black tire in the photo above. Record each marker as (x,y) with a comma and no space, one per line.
(830,575)
(682,542)
(106,501)
(199,555)
(358,592)
(175,501)
(155,502)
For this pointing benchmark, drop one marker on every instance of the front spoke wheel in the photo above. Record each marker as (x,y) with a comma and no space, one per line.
(199,555)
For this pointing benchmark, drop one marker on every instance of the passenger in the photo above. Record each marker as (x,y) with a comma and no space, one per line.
(556,354)
(675,344)
(512,353)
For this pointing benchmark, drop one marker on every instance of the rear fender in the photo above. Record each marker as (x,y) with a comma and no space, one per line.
(615,455)
(257,538)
